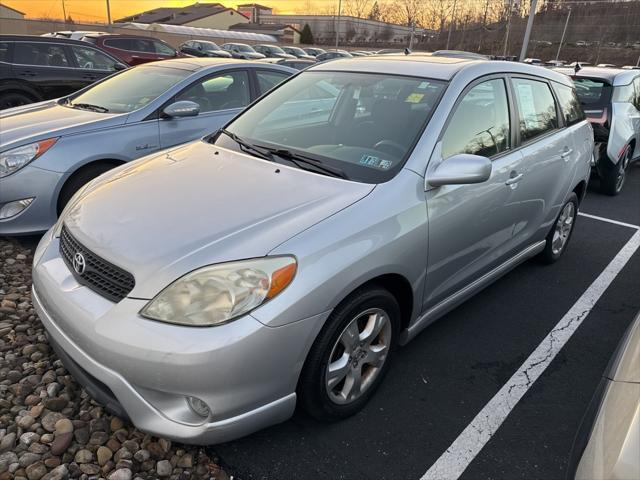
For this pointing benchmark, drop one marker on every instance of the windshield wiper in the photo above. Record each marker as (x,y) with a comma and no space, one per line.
(88,106)
(298,159)
(247,147)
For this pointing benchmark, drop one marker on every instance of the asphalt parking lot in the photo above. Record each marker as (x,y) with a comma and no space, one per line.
(441,386)
(450,372)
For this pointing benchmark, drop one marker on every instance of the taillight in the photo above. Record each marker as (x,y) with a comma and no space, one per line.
(598,116)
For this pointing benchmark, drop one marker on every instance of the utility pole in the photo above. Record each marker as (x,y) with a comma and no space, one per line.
(506,35)
(413,32)
(564,31)
(64,13)
(453,16)
(527,33)
(338,23)
(109,26)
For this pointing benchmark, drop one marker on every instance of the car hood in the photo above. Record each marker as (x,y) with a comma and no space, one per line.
(170,213)
(30,123)
(253,55)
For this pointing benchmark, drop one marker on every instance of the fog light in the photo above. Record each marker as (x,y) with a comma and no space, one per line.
(198,406)
(12,209)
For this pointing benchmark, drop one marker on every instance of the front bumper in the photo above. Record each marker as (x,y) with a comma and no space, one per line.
(245,371)
(31,182)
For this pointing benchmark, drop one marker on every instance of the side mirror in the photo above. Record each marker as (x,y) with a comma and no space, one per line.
(119,66)
(183,108)
(461,169)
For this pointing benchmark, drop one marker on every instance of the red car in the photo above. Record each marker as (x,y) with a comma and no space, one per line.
(133,49)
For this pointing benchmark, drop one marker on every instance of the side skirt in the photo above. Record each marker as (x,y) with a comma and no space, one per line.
(463,294)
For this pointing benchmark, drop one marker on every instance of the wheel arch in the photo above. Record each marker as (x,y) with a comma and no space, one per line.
(113,162)
(580,190)
(398,286)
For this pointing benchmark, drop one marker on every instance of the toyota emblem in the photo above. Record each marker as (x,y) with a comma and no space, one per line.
(79,263)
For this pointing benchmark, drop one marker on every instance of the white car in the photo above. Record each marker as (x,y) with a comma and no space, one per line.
(610,98)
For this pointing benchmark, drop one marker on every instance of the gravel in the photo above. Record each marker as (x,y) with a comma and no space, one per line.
(50,429)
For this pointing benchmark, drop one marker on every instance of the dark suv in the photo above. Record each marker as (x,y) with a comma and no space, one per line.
(133,49)
(203,48)
(33,69)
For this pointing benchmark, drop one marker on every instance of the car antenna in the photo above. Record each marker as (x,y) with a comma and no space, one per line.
(407,51)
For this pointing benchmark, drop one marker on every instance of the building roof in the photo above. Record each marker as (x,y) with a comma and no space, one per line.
(253,5)
(200,32)
(11,8)
(177,15)
(262,27)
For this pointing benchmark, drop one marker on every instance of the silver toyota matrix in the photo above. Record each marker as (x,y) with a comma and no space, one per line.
(205,290)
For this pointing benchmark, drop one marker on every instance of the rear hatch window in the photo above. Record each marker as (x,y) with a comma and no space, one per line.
(594,95)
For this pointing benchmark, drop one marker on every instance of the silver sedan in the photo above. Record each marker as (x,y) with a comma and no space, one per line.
(206,290)
(48,150)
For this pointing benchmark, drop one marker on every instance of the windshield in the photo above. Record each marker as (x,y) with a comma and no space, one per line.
(130,90)
(593,93)
(295,50)
(362,124)
(244,48)
(274,49)
(210,46)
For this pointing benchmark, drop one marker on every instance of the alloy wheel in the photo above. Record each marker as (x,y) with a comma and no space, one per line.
(358,355)
(563,228)
(623,169)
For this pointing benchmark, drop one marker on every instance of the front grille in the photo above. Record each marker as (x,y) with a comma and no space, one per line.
(99,275)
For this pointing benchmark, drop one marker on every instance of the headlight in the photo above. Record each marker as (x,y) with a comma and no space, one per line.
(219,293)
(16,158)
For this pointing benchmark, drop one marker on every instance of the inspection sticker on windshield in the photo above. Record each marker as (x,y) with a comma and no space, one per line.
(375,162)
(414,98)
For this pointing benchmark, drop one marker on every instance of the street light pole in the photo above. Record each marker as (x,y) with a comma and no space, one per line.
(338,23)
(564,31)
(527,33)
(506,35)
(64,13)
(109,27)
(453,16)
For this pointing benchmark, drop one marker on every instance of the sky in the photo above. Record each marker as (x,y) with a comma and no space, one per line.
(96,10)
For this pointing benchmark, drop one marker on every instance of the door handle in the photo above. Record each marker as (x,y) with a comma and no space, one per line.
(27,74)
(514,180)
(565,155)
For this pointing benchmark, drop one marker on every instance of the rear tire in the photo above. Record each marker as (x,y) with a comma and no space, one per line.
(340,376)
(613,178)
(78,180)
(559,236)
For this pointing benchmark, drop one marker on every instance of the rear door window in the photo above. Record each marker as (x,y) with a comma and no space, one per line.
(92,59)
(163,49)
(480,124)
(569,104)
(536,108)
(268,80)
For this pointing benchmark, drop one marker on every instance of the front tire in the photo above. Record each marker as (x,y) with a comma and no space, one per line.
(559,236)
(351,355)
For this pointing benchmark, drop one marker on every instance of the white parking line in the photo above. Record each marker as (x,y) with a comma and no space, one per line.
(475,436)
(609,220)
